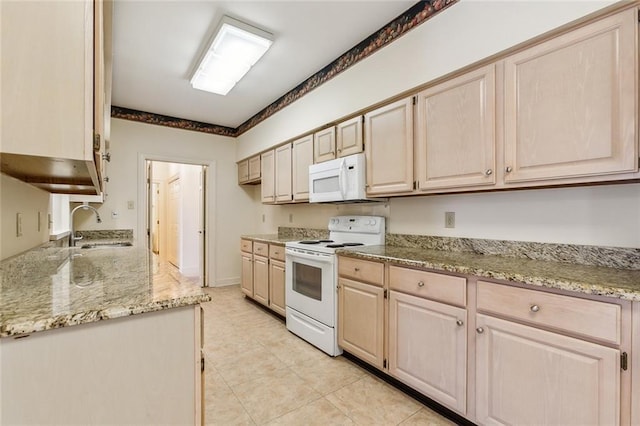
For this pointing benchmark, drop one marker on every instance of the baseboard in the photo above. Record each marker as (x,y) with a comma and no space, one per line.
(226,282)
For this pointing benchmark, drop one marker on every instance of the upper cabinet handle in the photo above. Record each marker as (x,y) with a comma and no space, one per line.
(489,172)
(508,169)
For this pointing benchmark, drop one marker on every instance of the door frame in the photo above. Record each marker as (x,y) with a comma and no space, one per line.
(210,205)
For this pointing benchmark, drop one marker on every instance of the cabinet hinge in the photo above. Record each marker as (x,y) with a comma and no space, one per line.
(384,363)
(386,294)
(201,363)
(624,361)
(96,142)
(415,100)
(363,119)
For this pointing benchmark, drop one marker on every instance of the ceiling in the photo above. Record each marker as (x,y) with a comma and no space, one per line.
(156,44)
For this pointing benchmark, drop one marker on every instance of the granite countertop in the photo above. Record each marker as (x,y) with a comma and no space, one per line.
(47,288)
(270,238)
(596,280)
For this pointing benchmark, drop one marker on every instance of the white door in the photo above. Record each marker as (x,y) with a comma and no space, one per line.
(173,221)
(155,217)
(203,226)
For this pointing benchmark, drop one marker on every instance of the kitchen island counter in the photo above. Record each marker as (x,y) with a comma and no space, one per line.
(48,288)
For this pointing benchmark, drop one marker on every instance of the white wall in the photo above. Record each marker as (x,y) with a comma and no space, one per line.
(19,197)
(232,212)
(459,36)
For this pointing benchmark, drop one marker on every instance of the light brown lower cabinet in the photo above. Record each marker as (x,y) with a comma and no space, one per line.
(428,348)
(534,358)
(276,286)
(261,279)
(361,320)
(246,279)
(526,375)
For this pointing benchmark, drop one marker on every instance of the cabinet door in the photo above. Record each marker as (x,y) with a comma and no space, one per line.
(570,104)
(268,187)
(324,145)
(302,159)
(261,279)
(455,141)
(529,376)
(246,279)
(428,348)
(349,136)
(254,168)
(361,320)
(388,135)
(243,171)
(276,287)
(283,174)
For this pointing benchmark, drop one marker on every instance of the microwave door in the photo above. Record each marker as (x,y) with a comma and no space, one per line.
(326,185)
(342,179)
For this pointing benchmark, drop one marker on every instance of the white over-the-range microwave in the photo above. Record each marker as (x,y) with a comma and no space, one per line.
(339,180)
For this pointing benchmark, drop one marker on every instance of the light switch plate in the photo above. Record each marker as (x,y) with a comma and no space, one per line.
(449,219)
(18,224)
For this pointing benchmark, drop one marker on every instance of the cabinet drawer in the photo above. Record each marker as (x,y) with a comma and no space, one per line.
(276,252)
(440,287)
(246,245)
(361,270)
(261,249)
(597,320)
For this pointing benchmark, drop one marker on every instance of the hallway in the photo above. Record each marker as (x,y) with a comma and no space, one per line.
(259,373)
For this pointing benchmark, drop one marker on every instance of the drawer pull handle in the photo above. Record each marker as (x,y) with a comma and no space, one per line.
(480,330)
(534,308)
(356,269)
(420,283)
(459,323)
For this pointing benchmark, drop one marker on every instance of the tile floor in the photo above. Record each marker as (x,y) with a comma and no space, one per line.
(259,373)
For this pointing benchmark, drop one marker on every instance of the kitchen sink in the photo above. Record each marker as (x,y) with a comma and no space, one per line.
(107,245)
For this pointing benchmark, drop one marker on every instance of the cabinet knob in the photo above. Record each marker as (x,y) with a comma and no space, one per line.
(480,330)
(508,169)
(534,308)
(489,172)
(420,283)
(356,269)
(459,323)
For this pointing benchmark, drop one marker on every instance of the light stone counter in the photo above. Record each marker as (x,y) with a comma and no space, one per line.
(49,288)
(588,279)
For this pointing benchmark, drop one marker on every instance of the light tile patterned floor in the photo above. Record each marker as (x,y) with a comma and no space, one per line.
(259,373)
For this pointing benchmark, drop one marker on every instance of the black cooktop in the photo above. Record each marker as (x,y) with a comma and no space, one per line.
(338,245)
(315,241)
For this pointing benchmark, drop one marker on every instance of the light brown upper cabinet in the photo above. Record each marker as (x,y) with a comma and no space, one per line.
(54,94)
(324,145)
(455,140)
(243,171)
(254,168)
(388,136)
(349,136)
(268,166)
(283,174)
(570,104)
(249,170)
(302,159)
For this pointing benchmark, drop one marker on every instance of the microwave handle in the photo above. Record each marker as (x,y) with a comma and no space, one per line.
(342,179)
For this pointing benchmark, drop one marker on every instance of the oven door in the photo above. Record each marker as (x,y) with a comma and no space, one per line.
(310,284)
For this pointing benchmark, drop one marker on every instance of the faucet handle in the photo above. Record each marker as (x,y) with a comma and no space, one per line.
(78,238)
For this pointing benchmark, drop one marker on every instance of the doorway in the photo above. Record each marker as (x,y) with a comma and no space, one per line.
(176,219)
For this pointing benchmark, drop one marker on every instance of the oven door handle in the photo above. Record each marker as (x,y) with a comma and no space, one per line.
(324,258)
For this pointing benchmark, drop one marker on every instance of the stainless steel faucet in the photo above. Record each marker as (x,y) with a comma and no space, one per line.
(72,237)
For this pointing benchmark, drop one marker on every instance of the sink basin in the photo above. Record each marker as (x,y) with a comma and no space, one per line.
(107,245)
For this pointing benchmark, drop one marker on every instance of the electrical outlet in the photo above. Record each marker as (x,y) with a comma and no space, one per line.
(449,219)
(130,205)
(19,225)
(39,221)
(262,218)
(290,217)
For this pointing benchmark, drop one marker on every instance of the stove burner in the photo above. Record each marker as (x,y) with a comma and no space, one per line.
(352,244)
(337,245)
(315,241)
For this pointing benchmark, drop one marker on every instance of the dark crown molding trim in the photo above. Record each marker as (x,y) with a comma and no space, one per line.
(412,17)
(168,121)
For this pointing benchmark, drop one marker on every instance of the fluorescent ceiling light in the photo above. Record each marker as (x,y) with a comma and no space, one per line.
(235,48)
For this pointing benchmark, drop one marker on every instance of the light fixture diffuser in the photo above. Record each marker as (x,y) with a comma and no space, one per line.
(235,48)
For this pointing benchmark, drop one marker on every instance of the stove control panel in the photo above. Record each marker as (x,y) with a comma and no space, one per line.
(358,224)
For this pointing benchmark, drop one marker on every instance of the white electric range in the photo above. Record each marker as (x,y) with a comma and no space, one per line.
(312,276)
